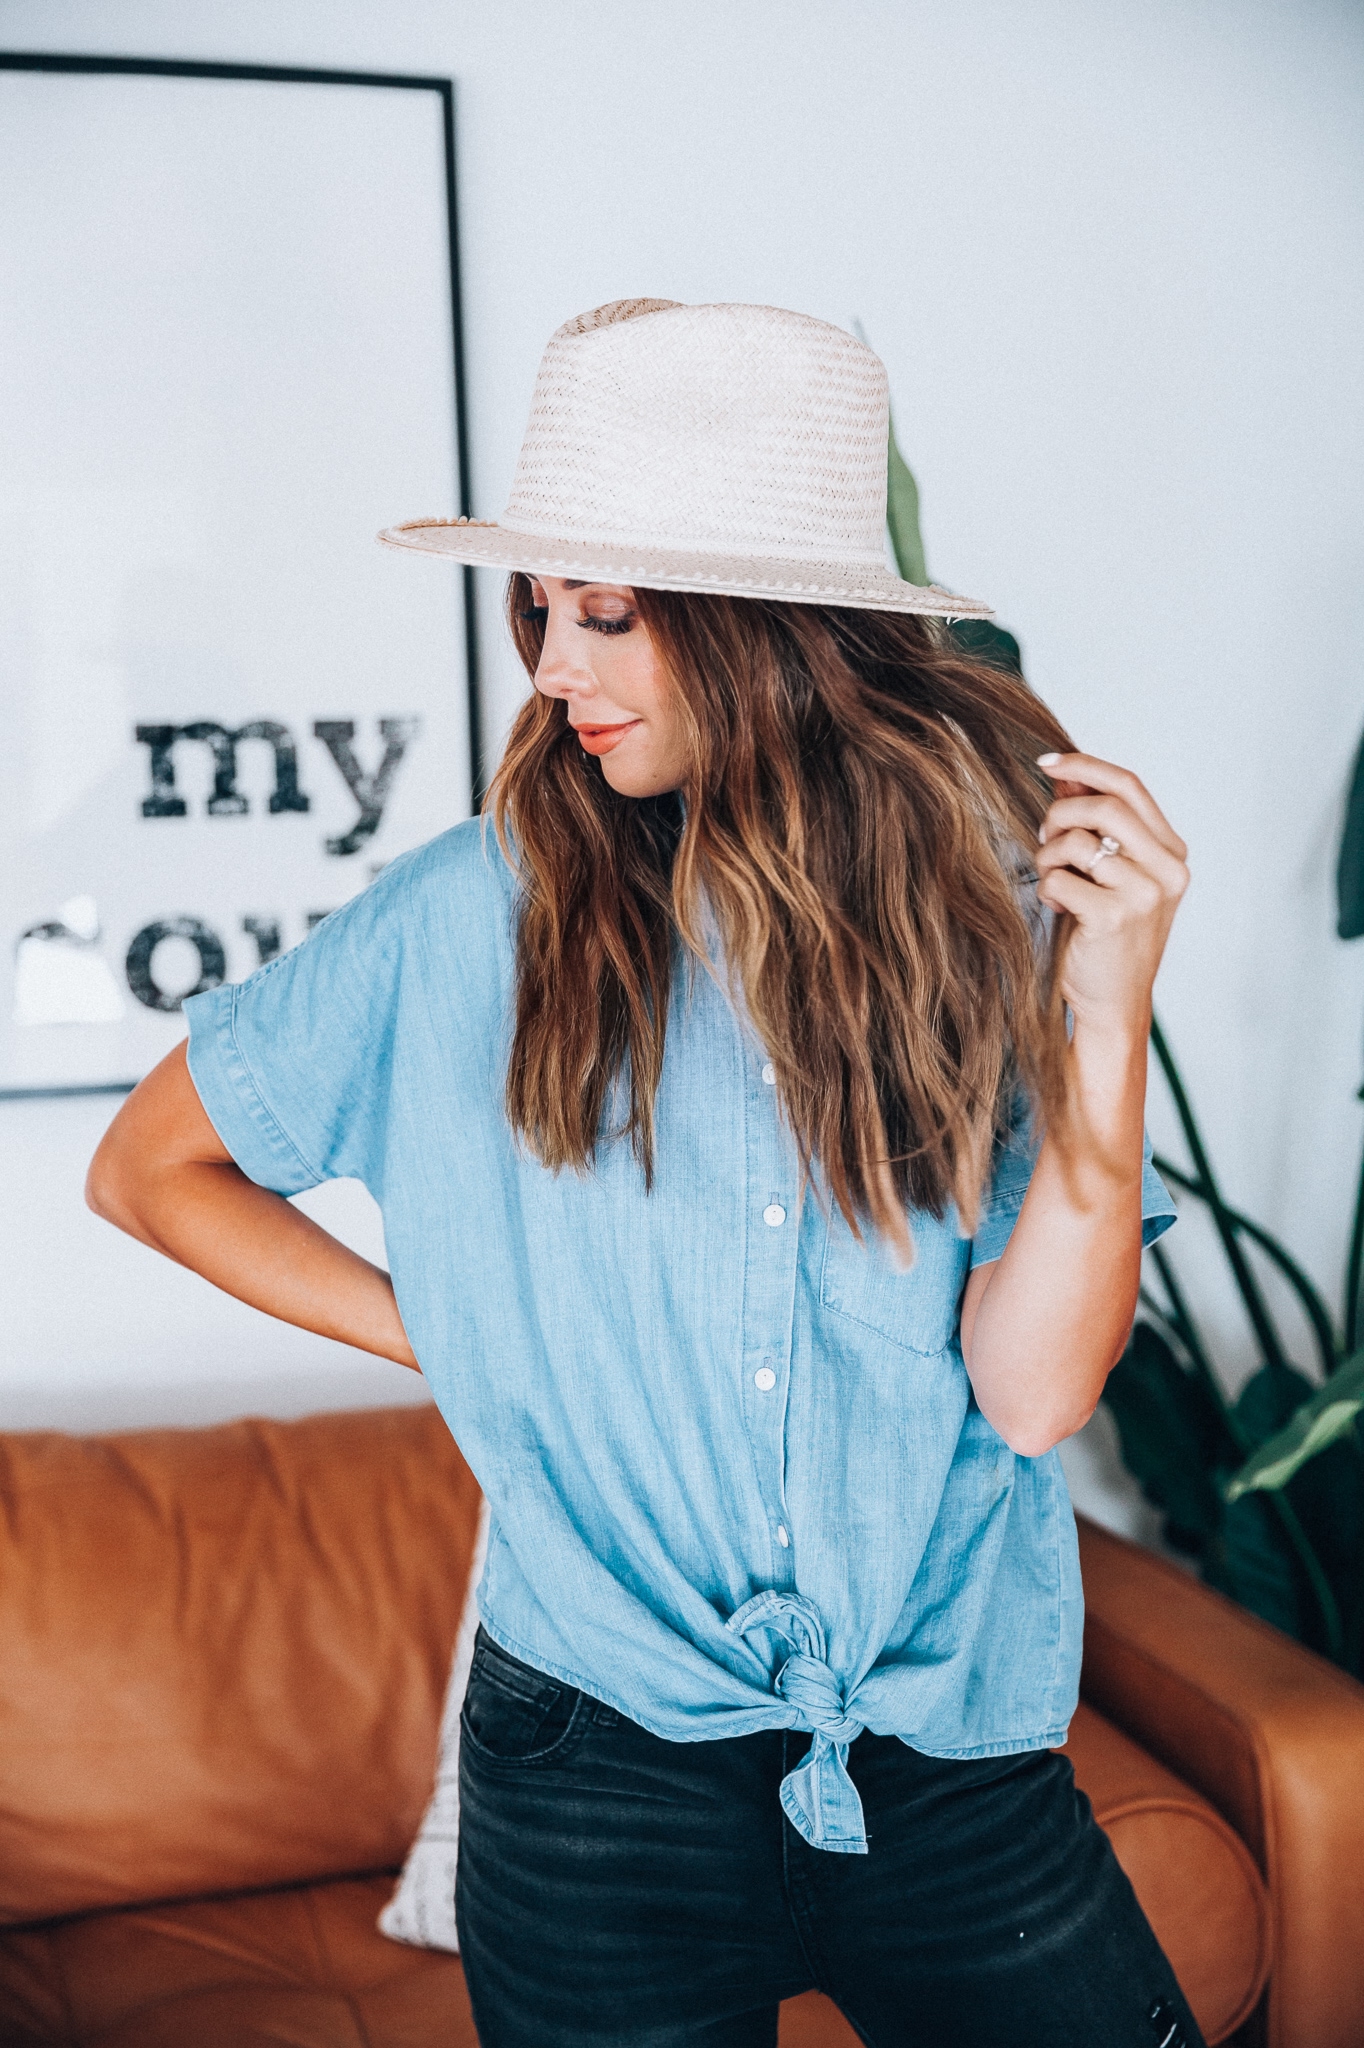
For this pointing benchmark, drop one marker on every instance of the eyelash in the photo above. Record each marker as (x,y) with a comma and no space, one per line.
(590,625)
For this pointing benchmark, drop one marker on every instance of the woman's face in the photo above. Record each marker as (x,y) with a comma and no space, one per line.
(599,658)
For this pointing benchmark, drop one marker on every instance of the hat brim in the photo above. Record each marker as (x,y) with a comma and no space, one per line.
(485,544)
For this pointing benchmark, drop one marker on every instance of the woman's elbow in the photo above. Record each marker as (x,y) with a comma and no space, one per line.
(106,1190)
(117,1183)
(1034,1440)
(1033,1435)
(134,1178)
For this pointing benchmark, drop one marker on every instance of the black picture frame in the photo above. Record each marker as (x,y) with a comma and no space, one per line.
(175,67)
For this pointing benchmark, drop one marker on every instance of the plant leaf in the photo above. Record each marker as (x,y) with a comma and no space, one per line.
(902,516)
(1350,866)
(1171,1435)
(1268,1401)
(1249,1560)
(1318,1422)
(1327,1496)
(988,643)
(981,639)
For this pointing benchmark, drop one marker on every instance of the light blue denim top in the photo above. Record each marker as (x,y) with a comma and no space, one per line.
(736,1474)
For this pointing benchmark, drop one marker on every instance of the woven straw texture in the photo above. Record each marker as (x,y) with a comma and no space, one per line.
(736,449)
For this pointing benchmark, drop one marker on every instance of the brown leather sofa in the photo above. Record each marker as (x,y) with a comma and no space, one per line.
(222,1659)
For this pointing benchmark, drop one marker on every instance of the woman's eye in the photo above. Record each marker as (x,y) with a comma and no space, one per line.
(594,625)
(535,611)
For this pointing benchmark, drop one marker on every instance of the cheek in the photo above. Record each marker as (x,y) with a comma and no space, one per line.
(652,697)
(641,675)
(667,730)
(674,738)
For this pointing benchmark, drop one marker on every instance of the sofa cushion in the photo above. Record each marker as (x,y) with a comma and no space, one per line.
(1272,1735)
(222,1653)
(304,1966)
(1195,1878)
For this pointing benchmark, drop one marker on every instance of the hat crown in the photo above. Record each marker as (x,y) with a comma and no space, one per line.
(722,429)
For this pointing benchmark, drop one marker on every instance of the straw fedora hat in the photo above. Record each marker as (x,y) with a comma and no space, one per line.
(734,449)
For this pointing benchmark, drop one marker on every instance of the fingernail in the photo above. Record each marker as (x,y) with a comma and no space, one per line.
(1047,760)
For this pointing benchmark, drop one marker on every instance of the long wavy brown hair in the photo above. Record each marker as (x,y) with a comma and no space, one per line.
(855,831)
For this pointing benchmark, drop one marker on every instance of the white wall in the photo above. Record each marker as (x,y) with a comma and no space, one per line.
(100,1333)
(1111,257)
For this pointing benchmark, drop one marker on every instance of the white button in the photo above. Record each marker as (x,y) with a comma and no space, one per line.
(770,1074)
(764,1379)
(783,1538)
(774,1215)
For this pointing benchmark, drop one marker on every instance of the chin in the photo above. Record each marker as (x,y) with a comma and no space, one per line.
(633,782)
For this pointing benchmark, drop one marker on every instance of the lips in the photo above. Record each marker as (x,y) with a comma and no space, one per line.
(599,739)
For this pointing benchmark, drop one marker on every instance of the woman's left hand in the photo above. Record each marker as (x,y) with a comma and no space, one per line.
(1110,857)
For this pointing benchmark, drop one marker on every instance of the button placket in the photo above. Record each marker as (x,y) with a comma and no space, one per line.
(772,1170)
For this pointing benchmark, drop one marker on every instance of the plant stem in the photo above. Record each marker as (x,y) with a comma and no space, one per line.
(1354,1270)
(1314,1308)
(1208,1191)
(1352,1656)
(1311,1564)
(1205,1188)
(1187,1331)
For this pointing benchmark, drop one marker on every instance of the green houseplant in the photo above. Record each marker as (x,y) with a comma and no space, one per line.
(1264,1491)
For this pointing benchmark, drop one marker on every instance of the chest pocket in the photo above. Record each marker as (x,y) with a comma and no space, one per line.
(916,1309)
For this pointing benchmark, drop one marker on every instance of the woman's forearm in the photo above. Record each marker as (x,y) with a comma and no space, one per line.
(255,1245)
(162,1174)
(1044,1325)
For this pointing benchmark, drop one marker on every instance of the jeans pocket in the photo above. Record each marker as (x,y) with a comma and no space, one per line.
(512,1713)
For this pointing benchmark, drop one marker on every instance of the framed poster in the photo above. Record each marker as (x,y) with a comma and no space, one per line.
(229,319)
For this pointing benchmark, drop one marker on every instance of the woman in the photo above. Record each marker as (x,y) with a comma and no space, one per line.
(756,1116)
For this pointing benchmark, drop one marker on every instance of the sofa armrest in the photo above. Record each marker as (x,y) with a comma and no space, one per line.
(1272,1735)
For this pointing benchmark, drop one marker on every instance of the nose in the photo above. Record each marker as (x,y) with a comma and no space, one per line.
(563,669)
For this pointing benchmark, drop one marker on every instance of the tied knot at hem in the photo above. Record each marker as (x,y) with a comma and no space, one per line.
(818,1797)
(809,1685)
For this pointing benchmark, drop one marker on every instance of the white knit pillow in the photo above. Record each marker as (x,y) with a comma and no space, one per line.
(422,1909)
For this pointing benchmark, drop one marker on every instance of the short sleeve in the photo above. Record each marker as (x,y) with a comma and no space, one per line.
(290,1064)
(1011,1173)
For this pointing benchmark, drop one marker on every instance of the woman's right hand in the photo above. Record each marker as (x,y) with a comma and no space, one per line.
(163,1174)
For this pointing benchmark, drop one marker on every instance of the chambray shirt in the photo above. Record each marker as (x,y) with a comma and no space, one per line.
(736,1474)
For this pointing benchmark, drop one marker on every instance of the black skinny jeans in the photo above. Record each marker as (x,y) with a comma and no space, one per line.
(619,1891)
